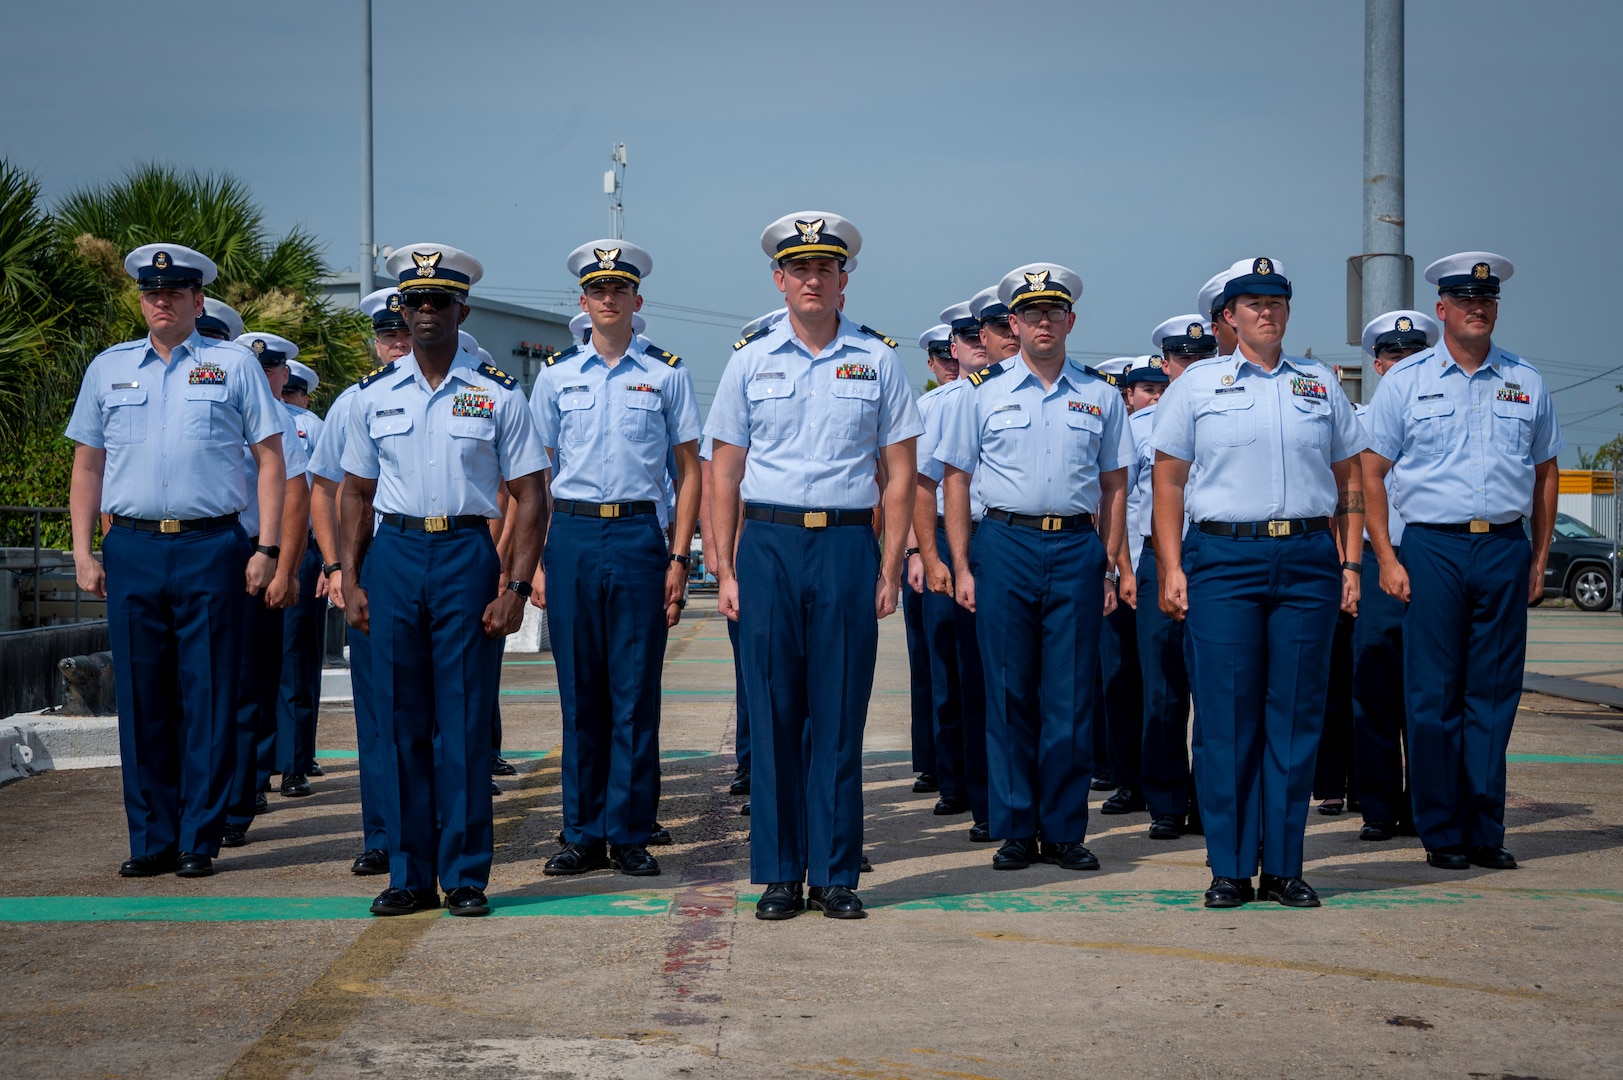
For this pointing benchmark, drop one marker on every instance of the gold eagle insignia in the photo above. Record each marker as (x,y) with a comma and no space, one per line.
(810,231)
(427,265)
(1038,281)
(606,259)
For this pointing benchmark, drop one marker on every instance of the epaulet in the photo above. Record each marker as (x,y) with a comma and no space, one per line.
(870,330)
(1111,379)
(371,376)
(670,358)
(749,337)
(976,378)
(491,371)
(566,354)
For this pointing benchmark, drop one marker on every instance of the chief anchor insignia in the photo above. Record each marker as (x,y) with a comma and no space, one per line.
(161,260)
(1262,266)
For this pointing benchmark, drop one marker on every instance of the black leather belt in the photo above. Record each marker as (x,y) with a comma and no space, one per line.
(941,523)
(170,526)
(807,519)
(1260,529)
(436,524)
(1045,522)
(1475,525)
(602,510)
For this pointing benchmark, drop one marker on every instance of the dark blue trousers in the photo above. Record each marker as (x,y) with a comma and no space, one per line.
(258,682)
(606,608)
(1379,715)
(1123,686)
(1039,598)
(741,726)
(958,690)
(434,677)
(1164,765)
(1464,649)
(374,750)
(1334,774)
(300,692)
(1262,613)
(920,699)
(809,637)
(174,614)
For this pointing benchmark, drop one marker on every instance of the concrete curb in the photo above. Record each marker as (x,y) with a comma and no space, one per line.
(32,743)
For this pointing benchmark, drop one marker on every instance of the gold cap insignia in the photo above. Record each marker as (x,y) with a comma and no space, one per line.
(1405,325)
(259,344)
(394,301)
(427,265)
(810,231)
(1038,281)
(606,259)
(1480,271)
(161,260)
(1195,330)
(1262,266)
(1155,361)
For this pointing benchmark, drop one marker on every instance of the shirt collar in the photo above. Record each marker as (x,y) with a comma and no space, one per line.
(411,371)
(193,344)
(782,335)
(1237,360)
(633,353)
(1446,359)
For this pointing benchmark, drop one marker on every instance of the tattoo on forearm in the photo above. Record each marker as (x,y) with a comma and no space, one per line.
(1350,502)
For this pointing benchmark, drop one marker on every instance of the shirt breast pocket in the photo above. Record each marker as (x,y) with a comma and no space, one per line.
(1512,428)
(1312,423)
(125,421)
(205,412)
(473,444)
(1007,437)
(1082,434)
(772,409)
(392,436)
(1228,420)
(856,409)
(644,418)
(1433,424)
(577,417)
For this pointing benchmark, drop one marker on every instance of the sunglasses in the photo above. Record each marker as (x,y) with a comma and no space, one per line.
(439,299)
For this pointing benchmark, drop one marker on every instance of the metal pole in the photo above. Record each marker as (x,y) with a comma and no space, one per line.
(368,252)
(1385,270)
(37,516)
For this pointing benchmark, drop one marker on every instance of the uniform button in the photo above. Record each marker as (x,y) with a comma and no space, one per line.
(166,484)
(433,498)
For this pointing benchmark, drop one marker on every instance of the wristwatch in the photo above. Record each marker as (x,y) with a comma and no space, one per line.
(1355,567)
(523,588)
(329,567)
(685,560)
(1112,576)
(270,551)
(909,553)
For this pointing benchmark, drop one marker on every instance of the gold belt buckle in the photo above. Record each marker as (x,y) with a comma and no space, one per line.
(1052,523)
(436,524)
(816,520)
(1478,525)
(1279,528)
(169,525)
(608,510)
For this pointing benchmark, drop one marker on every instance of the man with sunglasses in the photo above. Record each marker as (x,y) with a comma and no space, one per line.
(610,412)
(1469,434)
(1379,715)
(1045,440)
(429,442)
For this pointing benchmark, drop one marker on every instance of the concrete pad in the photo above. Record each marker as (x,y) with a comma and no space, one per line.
(32,743)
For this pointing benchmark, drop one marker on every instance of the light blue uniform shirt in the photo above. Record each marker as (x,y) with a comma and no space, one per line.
(610,430)
(813,424)
(936,408)
(174,433)
(1463,446)
(295,462)
(327,458)
(308,425)
(1394,520)
(439,452)
(1262,443)
(1035,451)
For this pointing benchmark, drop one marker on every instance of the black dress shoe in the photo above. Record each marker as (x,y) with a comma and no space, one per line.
(1015,855)
(1193,825)
(316,770)
(780,901)
(371,861)
(495,788)
(1492,858)
(980,833)
(835,902)
(467,900)
(660,837)
(1287,891)
(1124,801)
(393,901)
(1070,856)
(500,766)
(1332,806)
(1377,831)
(632,860)
(234,836)
(744,811)
(1166,827)
(866,867)
(577,859)
(741,782)
(947,807)
(148,865)
(1102,782)
(1225,892)
(192,864)
(926,783)
(295,786)
(261,804)
(1448,859)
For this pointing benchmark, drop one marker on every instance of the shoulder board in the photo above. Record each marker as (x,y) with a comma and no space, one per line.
(870,330)
(566,354)
(976,378)
(671,359)
(376,373)
(1111,379)
(749,337)
(490,371)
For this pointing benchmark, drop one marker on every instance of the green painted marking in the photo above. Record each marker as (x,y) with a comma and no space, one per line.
(1568,759)
(601,904)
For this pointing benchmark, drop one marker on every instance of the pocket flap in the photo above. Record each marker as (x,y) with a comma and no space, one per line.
(1012,418)
(574,400)
(768,389)
(866,389)
(472,427)
(379,426)
(1420,410)
(130,396)
(641,399)
(1084,421)
(205,392)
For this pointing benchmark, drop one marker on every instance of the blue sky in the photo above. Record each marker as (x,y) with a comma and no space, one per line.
(1146,145)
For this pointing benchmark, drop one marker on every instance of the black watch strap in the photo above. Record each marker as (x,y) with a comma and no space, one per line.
(685,560)
(329,567)
(523,588)
(270,550)
(1355,567)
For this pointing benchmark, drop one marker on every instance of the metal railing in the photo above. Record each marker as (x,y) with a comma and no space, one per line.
(37,513)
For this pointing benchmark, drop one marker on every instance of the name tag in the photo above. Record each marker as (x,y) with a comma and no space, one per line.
(770,375)
(856,371)
(574,389)
(1309,388)
(389,412)
(1231,390)
(1084,407)
(1007,408)
(207,374)
(125,385)
(1429,397)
